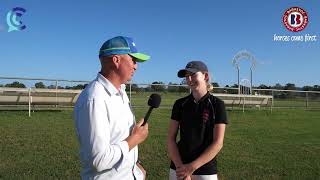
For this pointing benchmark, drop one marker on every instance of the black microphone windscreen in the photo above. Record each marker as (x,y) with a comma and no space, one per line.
(154,100)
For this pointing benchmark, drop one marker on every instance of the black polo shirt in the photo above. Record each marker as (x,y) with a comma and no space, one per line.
(196,122)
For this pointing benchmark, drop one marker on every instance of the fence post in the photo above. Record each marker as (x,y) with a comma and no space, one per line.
(29,102)
(243,104)
(272,98)
(56,93)
(307,100)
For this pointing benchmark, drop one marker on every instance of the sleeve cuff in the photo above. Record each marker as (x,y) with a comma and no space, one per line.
(124,147)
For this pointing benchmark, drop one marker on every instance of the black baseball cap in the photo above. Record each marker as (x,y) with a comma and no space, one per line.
(193,67)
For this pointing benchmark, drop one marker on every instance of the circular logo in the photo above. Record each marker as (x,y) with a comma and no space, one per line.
(12,19)
(295,19)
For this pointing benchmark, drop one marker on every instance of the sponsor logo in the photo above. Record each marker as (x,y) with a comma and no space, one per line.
(295,19)
(12,19)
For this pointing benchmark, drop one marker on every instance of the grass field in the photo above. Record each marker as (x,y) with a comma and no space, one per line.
(258,145)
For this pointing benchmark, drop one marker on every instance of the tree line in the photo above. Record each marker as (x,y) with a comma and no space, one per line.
(41,85)
(170,87)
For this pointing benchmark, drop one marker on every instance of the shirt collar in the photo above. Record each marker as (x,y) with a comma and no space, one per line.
(109,86)
(203,98)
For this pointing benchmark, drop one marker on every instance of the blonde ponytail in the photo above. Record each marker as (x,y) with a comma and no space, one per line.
(209,85)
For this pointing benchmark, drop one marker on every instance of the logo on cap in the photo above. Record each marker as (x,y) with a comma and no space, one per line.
(13,23)
(295,19)
(189,65)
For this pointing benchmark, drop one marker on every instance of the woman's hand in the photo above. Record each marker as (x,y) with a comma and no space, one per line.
(185,171)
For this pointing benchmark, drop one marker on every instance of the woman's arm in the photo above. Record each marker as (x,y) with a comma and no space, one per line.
(213,149)
(209,153)
(173,151)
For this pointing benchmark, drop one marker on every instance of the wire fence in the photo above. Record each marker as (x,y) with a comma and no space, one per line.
(281,98)
(139,93)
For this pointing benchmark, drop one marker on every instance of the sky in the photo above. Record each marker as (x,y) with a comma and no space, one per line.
(62,39)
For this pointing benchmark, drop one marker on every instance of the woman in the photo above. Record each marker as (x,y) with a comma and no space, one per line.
(201,118)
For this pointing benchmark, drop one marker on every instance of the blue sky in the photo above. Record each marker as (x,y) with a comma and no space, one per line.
(62,39)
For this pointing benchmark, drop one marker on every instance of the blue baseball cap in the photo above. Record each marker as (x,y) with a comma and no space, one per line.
(122,45)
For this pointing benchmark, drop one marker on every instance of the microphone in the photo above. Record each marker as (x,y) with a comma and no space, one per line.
(154,102)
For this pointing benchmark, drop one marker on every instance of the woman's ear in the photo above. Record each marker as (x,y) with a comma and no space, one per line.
(206,76)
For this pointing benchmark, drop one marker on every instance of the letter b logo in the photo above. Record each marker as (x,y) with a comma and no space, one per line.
(295,19)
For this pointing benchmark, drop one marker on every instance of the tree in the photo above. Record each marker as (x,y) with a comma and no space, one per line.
(307,88)
(215,84)
(233,91)
(235,86)
(39,85)
(158,86)
(51,86)
(290,86)
(173,87)
(54,87)
(16,84)
(183,86)
(134,87)
(277,86)
(316,88)
(79,86)
(262,86)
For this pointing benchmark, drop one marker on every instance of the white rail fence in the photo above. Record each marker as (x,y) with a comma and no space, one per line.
(32,97)
(36,98)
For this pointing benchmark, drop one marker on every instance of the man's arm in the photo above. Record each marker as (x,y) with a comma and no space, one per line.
(93,130)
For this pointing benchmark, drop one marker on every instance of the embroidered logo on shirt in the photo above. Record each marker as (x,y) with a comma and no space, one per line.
(205,115)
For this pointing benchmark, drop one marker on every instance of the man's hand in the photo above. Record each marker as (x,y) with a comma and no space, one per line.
(138,135)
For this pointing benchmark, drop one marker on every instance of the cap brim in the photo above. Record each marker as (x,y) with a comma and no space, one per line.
(182,72)
(140,57)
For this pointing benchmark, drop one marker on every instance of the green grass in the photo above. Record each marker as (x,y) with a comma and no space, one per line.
(296,103)
(43,146)
(258,145)
(281,145)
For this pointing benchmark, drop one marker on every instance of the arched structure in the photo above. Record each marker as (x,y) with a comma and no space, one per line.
(244,55)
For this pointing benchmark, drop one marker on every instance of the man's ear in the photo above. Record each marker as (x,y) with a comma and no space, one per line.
(116,60)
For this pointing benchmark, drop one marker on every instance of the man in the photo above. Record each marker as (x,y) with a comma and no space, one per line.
(105,124)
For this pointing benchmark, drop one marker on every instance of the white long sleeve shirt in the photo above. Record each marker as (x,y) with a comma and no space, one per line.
(103,120)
